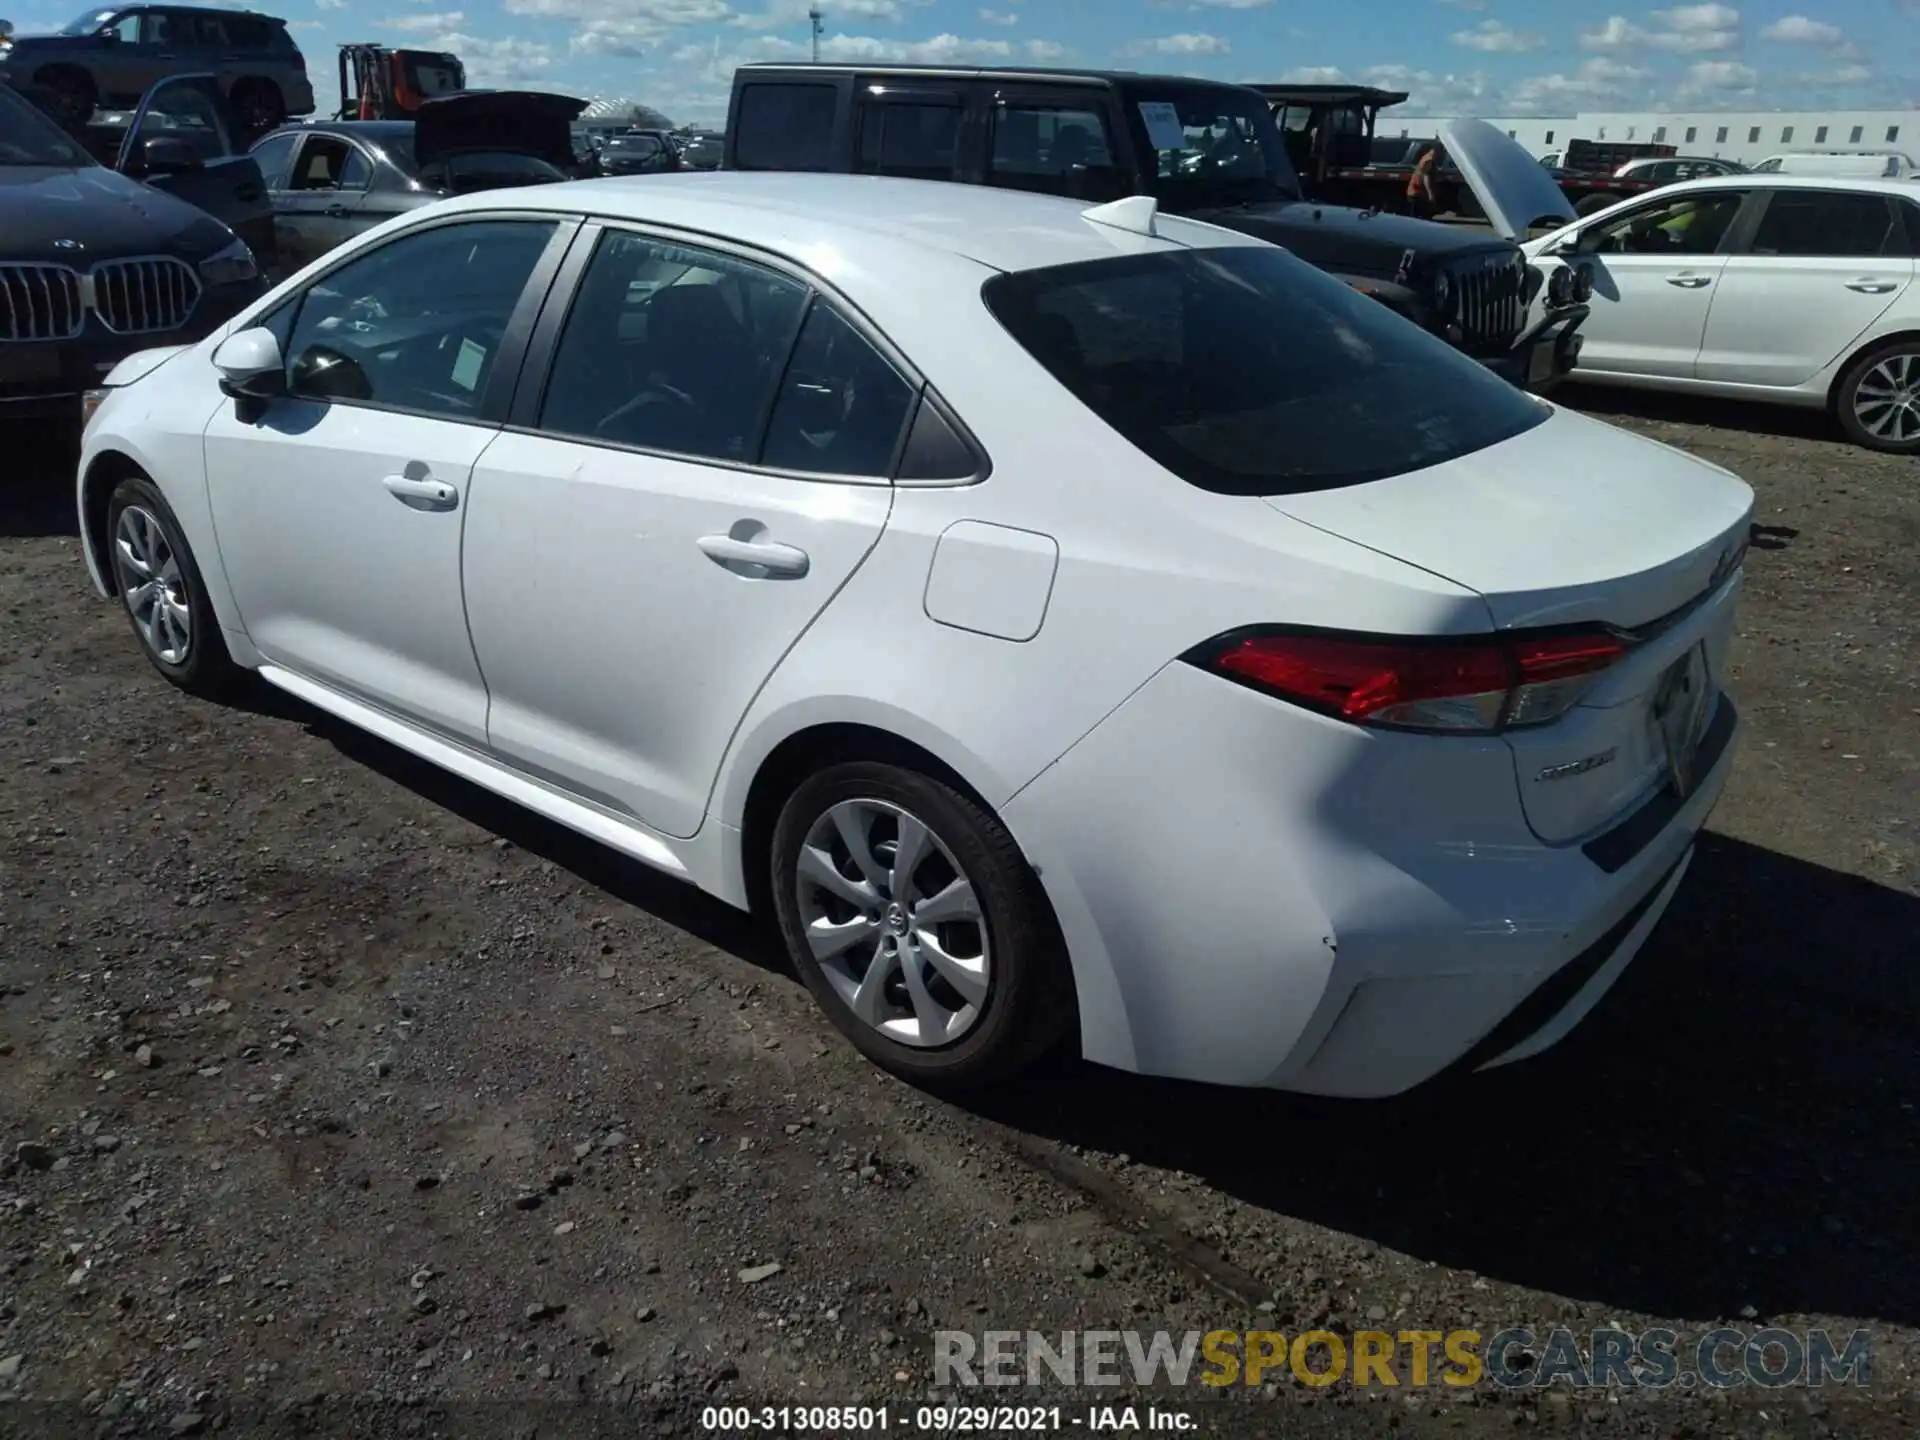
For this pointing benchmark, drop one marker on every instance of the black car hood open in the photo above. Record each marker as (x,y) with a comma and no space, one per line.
(100,214)
(1346,241)
(512,122)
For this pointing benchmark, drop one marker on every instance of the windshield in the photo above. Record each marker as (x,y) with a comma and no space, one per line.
(28,137)
(88,23)
(1210,147)
(1247,372)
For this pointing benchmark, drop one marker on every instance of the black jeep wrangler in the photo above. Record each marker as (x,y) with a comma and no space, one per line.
(1204,150)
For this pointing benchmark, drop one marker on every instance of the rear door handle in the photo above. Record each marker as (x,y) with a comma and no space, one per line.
(336,212)
(1689,282)
(782,560)
(430,494)
(1868,286)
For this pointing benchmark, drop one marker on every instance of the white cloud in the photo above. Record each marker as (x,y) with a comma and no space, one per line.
(1428,93)
(1800,30)
(433,22)
(1683,30)
(786,14)
(1045,51)
(1214,4)
(1000,17)
(1597,81)
(622,27)
(1717,79)
(329,4)
(1492,38)
(1189,44)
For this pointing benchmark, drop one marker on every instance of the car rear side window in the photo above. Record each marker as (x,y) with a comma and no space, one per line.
(915,139)
(841,405)
(782,126)
(273,155)
(1247,372)
(671,348)
(1830,223)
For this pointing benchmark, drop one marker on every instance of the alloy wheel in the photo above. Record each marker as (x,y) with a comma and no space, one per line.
(894,923)
(1886,402)
(152,585)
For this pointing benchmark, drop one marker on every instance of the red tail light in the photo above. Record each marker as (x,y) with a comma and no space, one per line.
(1472,686)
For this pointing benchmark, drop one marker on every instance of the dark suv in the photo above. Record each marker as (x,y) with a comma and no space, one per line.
(1202,149)
(108,58)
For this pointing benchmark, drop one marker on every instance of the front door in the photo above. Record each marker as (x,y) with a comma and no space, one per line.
(190,111)
(688,502)
(1656,269)
(340,506)
(1823,266)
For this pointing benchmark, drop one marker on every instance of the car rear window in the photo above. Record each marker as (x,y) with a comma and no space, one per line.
(1247,372)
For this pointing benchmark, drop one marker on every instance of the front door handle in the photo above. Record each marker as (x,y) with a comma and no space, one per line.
(782,560)
(1689,282)
(424,493)
(1868,286)
(336,212)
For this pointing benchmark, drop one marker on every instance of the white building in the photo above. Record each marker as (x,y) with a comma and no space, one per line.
(1748,136)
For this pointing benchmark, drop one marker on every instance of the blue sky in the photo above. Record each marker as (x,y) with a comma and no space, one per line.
(1456,56)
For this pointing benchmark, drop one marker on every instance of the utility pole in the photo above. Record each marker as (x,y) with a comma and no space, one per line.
(815,18)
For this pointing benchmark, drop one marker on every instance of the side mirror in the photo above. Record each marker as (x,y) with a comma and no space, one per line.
(250,365)
(164,155)
(323,373)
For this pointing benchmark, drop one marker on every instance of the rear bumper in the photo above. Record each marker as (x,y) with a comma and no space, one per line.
(1303,905)
(44,379)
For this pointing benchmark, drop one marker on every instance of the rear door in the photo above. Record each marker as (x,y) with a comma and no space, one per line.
(684,484)
(1817,268)
(190,111)
(326,189)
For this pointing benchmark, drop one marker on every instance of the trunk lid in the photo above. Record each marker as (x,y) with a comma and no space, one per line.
(1515,190)
(513,122)
(1575,522)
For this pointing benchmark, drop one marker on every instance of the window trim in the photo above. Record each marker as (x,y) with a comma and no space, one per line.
(491,413)
(535,370)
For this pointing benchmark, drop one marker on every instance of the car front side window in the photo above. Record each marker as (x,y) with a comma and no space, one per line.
(672,348)
(1684,225)
(416,324)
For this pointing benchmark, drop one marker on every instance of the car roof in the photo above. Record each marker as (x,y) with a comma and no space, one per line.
(1045,73)
(811,218)
(1778,180)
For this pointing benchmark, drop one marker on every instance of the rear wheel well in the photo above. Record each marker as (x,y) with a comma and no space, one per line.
(804,753)
(104,475)
(1910,337)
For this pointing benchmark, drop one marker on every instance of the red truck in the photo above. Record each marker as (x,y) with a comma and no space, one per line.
(1330,133)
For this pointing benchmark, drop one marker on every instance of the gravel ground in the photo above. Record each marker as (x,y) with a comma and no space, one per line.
(337,1097)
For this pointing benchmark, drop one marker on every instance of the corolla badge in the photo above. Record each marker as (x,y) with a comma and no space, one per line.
(64,244)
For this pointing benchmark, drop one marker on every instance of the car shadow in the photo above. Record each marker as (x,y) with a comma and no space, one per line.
(1620,403)
(1735,1126)
(677,903)
(36,495)
(1738,1125)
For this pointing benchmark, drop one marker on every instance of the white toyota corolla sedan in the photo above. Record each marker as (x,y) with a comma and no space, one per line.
(1055,618)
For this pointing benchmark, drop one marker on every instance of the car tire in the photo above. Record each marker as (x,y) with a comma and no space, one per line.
(163,594)
(1877,401)
(259,107)
(1594,204)
(975,984)
(72,93)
